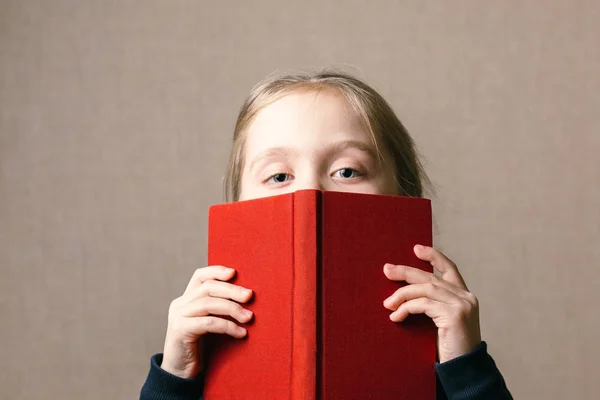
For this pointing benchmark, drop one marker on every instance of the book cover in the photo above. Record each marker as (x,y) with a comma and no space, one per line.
(314,260)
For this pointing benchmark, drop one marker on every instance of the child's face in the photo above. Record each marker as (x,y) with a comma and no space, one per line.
(311,140)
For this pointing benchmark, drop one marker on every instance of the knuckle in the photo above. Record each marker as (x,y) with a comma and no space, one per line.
(399,271)
(431,288)
(209,282)
(198,273)
(203,304)
(174,305)
(206,287)
(210,322)
(473,300)
(458,318)
(176,326)
(465,308)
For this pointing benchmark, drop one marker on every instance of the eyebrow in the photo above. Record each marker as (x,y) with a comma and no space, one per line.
(272,152)
(331,149)
(342,145)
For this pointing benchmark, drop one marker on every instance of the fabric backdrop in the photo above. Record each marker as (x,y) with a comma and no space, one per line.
(115,126)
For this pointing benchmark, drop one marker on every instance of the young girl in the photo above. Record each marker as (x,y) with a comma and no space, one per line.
(326,131)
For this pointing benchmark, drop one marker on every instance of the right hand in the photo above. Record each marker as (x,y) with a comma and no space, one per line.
(193,314)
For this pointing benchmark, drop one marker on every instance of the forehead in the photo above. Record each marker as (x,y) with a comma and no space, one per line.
(305,118)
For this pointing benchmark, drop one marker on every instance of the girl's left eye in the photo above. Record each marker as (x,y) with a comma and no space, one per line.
(347,173)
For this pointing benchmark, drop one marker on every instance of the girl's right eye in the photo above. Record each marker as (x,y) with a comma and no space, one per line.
(279,178)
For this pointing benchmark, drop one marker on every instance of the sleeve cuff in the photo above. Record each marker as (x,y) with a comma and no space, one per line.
(161,385)
(472,376)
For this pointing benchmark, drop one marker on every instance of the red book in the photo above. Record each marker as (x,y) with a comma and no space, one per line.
(320,332)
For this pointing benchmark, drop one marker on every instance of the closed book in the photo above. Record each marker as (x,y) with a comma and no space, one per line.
(314,260)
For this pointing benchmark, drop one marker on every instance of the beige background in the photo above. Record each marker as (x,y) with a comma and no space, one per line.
(115,124)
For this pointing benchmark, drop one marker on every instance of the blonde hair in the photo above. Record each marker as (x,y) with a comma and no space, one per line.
(385,128)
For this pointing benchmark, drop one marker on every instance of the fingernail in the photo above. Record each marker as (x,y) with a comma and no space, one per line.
(246,291)
(389,266)
(418,247)
(386,303)
(246,312)
(242,330)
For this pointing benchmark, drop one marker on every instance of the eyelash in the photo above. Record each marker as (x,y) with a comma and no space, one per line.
(270,179)
(356,173)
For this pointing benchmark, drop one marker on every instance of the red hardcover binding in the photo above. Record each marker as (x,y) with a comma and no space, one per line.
(315,262)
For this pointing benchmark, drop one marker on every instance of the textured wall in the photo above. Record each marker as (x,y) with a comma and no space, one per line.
(115,122)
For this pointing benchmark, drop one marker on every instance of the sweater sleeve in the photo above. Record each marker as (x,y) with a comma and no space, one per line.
(472,376)
(161,385)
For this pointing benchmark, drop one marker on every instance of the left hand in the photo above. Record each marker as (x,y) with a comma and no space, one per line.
(446,300)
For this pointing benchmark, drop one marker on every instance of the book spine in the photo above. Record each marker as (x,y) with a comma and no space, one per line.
(304,305)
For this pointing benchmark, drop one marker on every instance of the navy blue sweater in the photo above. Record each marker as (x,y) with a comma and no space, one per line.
(473,376)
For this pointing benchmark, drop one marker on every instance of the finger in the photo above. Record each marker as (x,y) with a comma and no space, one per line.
(427,290)
(406,273)
(202,325)
(422,305)
(414,276)
(443,264)
(216,306)
(225,290)
(216,272)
